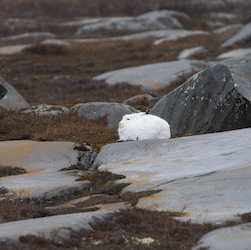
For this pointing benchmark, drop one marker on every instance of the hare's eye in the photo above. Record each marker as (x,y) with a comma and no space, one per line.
(127,119)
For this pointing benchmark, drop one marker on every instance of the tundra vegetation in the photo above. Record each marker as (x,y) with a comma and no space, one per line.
(34,74)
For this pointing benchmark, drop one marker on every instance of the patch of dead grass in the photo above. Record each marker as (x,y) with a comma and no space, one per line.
(64,127)
(9,170)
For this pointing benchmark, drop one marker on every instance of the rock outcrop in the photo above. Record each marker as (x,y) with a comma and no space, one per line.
(113,111)
(11,100)
(242,37)
(215,99)
(205,176)
(153,76)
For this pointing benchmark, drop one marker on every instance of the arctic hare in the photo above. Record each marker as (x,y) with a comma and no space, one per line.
(142,126)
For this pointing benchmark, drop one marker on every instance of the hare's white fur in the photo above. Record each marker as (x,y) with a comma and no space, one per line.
(142,126)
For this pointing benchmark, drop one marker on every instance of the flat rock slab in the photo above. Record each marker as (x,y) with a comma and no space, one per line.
(242,37)
(206,176)
(180,35)
(236,53)
(55,227)
(42,160)
(141,35)
(230,238)
(153,76)
(28,35)
(13,49)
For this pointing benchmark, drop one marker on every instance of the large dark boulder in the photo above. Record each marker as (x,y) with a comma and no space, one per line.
(215,99)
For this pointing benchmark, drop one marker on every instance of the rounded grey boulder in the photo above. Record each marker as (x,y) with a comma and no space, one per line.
(113,111)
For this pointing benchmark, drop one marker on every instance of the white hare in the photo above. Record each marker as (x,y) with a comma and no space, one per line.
(142,126)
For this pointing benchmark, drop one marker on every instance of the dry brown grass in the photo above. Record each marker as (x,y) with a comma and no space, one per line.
(9,170)
(126,230)
(65,127)
(70,9)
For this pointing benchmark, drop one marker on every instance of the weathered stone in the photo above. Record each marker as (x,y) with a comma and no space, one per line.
(180,35)
(113,111)
(141,99)
(159,19)
(43,162)
(236,53)
(232,27)
(153,76)
(28,35)
(135,36)
(86,154)
(242,37)
(215,99)
(45,109)
(223,15)
(54,227)
(189,53)
(12,99)
(205,176)
(58,42)
(229,238)
(13,49)
(213,25)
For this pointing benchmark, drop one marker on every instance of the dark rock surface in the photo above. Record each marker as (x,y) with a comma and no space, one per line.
(3,91)
(113,111)
(215,99)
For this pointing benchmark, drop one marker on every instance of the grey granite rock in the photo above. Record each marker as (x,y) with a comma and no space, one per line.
(141,98)
(12,100)
(159,19)
(43,162)
(190,53)
(180,35)
(215,99)
(27,35)
(213,25)
(242,37)
(13,49)
(135,36)
(223,15)
(54,227)
(205,176)
(58,42)
(45,109)
(123,24)
(229,238)
(113,111)
(236,53)
(232,27)
(153,76)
